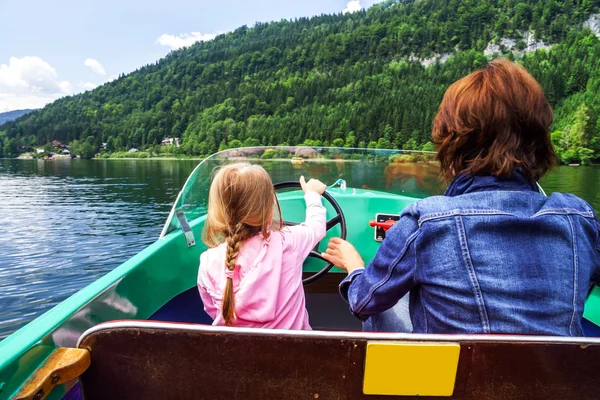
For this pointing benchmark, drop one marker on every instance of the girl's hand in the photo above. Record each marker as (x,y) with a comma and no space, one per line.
(313,185)
(343,255)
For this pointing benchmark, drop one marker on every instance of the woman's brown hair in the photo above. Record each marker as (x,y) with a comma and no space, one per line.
(241,204)
(492,122)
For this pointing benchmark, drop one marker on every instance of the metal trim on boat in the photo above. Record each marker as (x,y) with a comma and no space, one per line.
(185,227)
(422,337)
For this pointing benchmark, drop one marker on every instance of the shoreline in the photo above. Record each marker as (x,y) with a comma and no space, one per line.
(109,158)
(148,158)
(194,158)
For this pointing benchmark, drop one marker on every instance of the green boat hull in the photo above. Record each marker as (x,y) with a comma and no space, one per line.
(143,284)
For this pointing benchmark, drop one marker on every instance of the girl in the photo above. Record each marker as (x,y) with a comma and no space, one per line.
(252,275)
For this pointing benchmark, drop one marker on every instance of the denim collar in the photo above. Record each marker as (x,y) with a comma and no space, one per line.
(463,184)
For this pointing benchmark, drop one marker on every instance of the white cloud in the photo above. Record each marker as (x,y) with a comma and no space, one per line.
(352,6)
(87,85)
(30,74)
(95,66)
(65,87)
(183,40)
(29,82)
(11,101)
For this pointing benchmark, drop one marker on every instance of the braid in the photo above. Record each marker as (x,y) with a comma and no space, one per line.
(234,243)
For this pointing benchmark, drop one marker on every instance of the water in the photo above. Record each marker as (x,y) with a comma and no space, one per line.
(64,224)
(581,181)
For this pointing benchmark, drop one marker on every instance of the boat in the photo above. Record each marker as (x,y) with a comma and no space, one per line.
(140,332)
(297,160)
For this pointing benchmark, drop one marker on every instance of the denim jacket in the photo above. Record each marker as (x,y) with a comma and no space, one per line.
(490,256)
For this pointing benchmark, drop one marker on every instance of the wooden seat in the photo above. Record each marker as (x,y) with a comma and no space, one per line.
(154,360)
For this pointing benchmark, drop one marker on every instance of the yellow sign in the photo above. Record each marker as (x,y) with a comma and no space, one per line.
(411,368)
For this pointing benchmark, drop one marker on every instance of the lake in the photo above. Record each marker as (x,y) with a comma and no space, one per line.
(66,223)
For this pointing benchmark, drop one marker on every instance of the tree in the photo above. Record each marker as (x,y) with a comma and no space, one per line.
(350,140)
(411,144)
(234,144)
(87,150)
(337,143)
(251,142)
(269,153)
(384,143)
(84,150)
(74,147)
(110,144)
(428,146)
(581,126)
(357,78)
(10,148)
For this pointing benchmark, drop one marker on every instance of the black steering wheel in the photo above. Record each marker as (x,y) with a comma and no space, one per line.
(338,219)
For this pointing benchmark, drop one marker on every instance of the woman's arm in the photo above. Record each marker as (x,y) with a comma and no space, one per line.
(596,273)
(387,278)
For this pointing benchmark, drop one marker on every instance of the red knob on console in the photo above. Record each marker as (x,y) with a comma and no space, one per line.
(385,225)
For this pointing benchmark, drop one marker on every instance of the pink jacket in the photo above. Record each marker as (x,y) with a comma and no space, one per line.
(267,282)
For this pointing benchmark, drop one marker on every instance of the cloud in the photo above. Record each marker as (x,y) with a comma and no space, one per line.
(183,40)
(95,66)
(29,82)
(10,101)
(65,87)
(87,85)
(30,74)
(352,6)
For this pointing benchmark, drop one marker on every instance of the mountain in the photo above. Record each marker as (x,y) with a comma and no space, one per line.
(372,78)
(12,115)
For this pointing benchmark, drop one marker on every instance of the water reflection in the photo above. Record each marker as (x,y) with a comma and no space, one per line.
(580,181)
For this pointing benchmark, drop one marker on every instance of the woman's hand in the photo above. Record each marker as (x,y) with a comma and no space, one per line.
(343,255)
(313,185)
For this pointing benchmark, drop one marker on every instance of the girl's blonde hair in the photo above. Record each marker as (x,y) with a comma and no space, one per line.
(241,204)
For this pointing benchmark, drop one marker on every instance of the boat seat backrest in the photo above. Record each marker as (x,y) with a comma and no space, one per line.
(157,360)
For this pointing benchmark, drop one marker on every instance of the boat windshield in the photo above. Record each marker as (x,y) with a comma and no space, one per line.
(409,173)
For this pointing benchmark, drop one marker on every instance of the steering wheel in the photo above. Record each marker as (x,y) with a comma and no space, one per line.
(338,219)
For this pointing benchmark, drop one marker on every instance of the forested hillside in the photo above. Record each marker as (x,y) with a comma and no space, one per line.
(355,79)
(12,115)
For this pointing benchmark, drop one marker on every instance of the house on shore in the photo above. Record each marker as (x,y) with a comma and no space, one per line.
(171,141)
(59,145)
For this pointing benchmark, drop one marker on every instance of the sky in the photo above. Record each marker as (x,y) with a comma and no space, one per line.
(51,49)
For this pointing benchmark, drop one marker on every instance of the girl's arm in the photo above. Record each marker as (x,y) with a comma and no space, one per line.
(207,299)
(306,235)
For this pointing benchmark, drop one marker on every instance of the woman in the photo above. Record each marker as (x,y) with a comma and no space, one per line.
(493,255)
